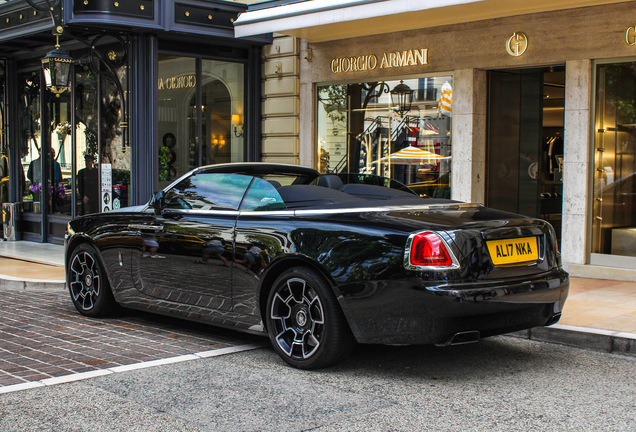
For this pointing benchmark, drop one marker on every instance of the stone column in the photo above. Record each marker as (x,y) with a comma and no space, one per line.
(281,104)
(576,162)
(470,96)
(306,147)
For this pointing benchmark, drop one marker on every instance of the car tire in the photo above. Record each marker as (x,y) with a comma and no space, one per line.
(88,284)
(304,321)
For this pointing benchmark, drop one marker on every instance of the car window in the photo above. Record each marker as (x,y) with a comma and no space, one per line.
(263,196)
(208,192)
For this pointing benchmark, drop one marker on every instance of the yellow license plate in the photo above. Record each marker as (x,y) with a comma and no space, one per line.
(513,251)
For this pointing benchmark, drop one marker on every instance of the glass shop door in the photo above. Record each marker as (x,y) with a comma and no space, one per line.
(524,161)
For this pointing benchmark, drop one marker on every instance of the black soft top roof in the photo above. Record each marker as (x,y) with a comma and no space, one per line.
(260,168)
(318,197)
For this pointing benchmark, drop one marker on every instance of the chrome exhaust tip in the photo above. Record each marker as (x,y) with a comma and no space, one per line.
(462,338)
(555,319)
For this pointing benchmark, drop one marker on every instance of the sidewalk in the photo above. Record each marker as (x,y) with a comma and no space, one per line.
(29,265)
(599,314)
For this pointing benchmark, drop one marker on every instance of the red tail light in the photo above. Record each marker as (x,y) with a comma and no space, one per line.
(428,249)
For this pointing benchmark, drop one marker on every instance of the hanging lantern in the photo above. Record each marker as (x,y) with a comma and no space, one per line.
(402,97)
(57,70)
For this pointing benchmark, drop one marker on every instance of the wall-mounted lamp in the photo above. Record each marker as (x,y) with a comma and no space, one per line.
(402,97)
(238,126)
(57,67)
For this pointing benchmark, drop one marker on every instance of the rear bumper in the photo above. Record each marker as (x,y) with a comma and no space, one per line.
(417,312)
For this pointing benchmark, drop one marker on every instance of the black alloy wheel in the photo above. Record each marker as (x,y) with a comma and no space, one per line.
(88,284)
(305,323)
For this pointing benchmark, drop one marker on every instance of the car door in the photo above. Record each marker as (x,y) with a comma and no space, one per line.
(186,251)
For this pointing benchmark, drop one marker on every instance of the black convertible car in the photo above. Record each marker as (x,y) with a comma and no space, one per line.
(317,263)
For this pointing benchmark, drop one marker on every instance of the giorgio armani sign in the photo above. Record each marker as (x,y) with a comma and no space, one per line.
(388,60)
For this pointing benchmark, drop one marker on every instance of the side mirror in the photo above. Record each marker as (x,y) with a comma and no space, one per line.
(157,202)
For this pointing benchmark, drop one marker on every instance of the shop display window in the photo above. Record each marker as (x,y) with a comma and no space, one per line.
(201,114)
(30,141)
(614,186)
(398,129)
(86,151)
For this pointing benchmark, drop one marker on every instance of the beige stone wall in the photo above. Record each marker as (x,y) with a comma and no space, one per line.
(554,38)
(281,102)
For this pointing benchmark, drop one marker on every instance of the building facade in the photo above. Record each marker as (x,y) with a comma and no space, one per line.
(158,87)
(525,107)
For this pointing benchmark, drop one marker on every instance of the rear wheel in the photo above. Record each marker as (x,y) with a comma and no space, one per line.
(304,321)
(88,284)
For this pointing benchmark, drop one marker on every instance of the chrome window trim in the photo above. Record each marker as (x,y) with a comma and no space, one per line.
(407,254)
(424,207)
(210,212)
(266,213)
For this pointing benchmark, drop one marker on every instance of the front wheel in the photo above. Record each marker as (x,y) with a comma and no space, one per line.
(304,321)
(88,284)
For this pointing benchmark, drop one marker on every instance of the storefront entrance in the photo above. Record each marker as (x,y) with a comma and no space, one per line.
(524,162)
(73,148)
(614,181)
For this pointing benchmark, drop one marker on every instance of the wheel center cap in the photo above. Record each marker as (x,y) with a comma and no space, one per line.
(301,318)
(88,280)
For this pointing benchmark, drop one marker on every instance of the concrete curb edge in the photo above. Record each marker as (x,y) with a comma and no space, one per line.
(582,337)
(17,284)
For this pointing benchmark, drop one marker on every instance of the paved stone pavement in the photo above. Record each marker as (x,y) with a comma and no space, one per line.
(43,336)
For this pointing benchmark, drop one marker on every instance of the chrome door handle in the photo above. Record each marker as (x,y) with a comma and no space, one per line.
(146,227)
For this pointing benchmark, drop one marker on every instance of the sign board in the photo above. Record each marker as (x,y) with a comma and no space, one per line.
(107,187)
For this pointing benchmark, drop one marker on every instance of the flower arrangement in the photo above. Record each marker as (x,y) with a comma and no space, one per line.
(58,189)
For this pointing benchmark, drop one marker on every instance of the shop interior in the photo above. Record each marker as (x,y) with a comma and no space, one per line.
(525,142)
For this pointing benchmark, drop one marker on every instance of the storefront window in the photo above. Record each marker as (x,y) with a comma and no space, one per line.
(222,84)
(201,107)
(59,157)
(614,218)
(86,137)
(29,140)
(362,129)
(92,141)
(114,157)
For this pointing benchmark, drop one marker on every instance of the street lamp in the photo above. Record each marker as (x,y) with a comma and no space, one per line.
(57,68)
(402,97)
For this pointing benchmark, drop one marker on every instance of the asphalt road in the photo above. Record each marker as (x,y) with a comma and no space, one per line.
(500,384)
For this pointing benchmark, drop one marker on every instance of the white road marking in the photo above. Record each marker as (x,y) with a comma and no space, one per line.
(126,368)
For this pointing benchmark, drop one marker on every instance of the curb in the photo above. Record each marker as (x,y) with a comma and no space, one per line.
(583,337)
(21,284)
(29,259)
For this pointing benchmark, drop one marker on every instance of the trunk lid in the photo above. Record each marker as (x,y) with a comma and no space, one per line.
(489,244)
